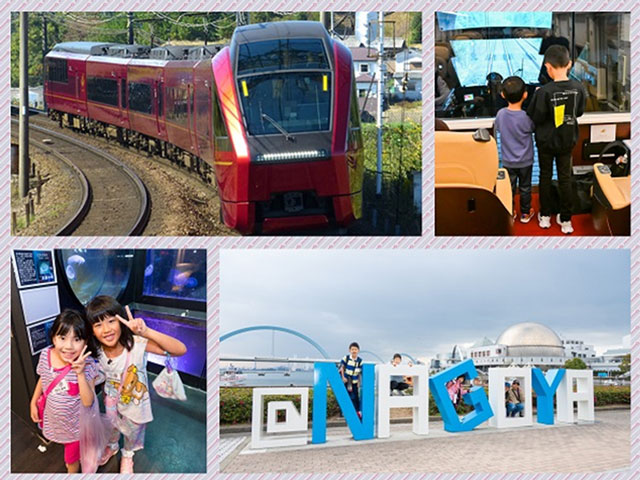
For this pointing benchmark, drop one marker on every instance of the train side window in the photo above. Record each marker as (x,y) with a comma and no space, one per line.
(123,93)
(102,90)
(140,97)
(219,127)
(178,107)
(355,137)
(171,102)
(354,115)
(57,70)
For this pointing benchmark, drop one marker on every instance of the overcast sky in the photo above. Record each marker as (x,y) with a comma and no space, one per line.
(421,302)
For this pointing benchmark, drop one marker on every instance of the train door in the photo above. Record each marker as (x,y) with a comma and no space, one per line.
(124,117)
(76,87)
(160,102)
(192,117)
(355,154)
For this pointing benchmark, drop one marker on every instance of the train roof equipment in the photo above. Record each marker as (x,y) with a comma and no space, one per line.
(129,51)
(170,52)
(87,48)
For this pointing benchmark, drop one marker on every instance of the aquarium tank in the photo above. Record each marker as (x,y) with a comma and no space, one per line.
(92,272)
(176,274)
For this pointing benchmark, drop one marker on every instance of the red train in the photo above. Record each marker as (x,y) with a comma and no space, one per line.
(273,116)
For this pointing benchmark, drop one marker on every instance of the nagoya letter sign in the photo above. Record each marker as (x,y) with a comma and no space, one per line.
(292,430)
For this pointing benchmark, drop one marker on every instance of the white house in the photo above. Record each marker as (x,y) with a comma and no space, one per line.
(409,64)
(365,62)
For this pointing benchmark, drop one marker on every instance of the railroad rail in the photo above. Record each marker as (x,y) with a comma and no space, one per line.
(109,192)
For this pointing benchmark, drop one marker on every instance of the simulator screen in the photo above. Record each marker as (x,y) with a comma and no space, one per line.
(475,59)
(476,51)
(468,20)
(179,274)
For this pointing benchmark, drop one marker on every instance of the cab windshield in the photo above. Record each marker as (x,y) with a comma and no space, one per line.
(284,86)
(294,101)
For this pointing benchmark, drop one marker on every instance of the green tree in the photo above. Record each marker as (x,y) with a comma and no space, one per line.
(626,363)
(575,364)
(415,29)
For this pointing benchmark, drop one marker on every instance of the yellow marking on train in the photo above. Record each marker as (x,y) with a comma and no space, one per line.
(245,90)
(224,164)
(64,97)
(325,83)
(102,105)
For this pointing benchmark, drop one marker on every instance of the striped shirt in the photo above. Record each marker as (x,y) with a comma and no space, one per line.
(351,368)
(61,422)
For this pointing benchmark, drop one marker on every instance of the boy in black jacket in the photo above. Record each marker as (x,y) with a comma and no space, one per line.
(554,110)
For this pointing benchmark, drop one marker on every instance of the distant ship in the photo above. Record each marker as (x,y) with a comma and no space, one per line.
(232,376)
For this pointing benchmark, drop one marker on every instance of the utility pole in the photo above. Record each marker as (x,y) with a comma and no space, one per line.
(380,101)
(324,19)
(45,49)
(24,167)
(130,27)
(242,18)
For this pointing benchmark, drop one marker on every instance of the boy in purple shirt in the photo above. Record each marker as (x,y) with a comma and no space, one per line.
(516,142)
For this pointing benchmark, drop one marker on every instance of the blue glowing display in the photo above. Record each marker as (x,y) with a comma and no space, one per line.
(475,59)
(465,20)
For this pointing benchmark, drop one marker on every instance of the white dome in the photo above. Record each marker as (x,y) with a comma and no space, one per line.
(531,339)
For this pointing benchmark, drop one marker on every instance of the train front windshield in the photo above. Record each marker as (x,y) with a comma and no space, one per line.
(284,86)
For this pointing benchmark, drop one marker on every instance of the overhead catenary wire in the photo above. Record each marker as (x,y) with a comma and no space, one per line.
(88,21)
(179,23)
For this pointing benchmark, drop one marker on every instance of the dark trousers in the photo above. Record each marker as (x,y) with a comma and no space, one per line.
(521,177)
(355,398)
(399,385)
(563,166)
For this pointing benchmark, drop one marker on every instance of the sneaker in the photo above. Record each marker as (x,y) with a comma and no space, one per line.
(566,227)
(126,465)
(107,454)
(544,221)
(395,393)
(526,217)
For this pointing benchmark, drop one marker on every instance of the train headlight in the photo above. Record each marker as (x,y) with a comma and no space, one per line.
(292,156)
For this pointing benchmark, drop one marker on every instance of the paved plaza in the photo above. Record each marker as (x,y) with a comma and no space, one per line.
(593,447)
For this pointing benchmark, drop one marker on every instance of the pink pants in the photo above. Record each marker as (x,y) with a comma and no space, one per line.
(72,452)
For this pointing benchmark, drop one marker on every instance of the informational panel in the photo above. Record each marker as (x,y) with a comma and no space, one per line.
(34,267)
(39,303)
(38,335)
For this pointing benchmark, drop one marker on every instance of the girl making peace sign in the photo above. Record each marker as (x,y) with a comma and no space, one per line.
(123,342)
(67,377)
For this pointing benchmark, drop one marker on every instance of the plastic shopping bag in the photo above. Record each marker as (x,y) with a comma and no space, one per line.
(95,429)
(168,383)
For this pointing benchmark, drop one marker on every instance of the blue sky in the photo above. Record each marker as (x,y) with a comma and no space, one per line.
(419,301)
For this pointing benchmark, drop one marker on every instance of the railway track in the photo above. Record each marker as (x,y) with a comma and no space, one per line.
(114,199)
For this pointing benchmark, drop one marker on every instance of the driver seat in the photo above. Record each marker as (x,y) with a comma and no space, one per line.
(473,195)
(611,210)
